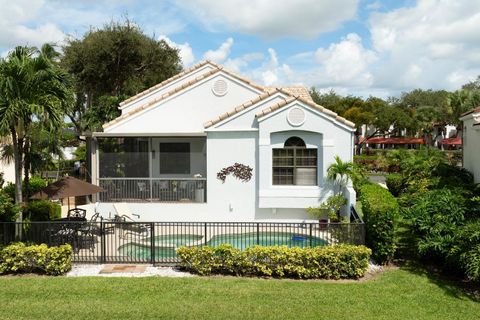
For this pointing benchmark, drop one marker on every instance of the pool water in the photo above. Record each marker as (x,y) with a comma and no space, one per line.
(239,241)
(244,240)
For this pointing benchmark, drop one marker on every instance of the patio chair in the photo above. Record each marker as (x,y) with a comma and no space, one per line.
(76,213)
(87,234)
(128,226)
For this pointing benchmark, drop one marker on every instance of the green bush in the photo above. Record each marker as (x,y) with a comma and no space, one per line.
(42,210)
(395,183)
(465,254)
(19,258)
(435,217)
(330,208)
(380,213)
(8,210)
(36,184)
(334,262)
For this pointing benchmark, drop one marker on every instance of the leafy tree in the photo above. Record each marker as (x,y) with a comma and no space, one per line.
(104,110)
(328,100)
(116,60)
(32,89)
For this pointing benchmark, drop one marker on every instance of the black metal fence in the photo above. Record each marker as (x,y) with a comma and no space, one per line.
(156,242)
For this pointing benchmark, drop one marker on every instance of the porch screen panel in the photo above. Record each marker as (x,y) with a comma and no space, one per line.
(123,157)
(174,158)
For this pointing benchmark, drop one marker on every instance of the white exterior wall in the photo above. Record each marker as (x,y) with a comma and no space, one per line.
(164,89)
(8,171)
(187,111)
(238,139)
(471,146)
(318,131)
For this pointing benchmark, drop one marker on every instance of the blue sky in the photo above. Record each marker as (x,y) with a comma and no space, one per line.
(361,47)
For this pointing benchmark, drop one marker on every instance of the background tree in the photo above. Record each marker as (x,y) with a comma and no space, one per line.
(117,60)
(32,90)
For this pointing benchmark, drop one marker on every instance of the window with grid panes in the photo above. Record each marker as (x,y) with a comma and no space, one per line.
(295,164)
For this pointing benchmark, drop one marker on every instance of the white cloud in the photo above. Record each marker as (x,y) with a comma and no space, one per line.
(219,55)
(242,62)
(346,62)
(374,5)
(185,50)
(433,44)
(271,72)
(272,19)
(14,31)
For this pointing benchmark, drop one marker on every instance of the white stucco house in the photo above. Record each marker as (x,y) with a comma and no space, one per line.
(471,142)
(163,154)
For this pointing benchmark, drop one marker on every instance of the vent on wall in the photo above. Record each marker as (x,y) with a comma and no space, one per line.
(220,87)
(296,116)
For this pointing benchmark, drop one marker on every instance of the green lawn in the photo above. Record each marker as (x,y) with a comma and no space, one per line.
(396,294)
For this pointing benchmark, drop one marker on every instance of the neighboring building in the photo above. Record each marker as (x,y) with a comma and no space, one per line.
(163,154)
(471,142)
(8,171)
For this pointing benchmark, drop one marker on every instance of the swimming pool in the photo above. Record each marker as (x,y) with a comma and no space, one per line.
(166,245)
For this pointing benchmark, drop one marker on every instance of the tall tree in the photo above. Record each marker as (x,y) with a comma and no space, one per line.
(116,60)
(32,89)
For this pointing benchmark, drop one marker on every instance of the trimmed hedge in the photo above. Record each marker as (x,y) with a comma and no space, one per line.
(333,262)
(19,258)
(380,213)
(395,183)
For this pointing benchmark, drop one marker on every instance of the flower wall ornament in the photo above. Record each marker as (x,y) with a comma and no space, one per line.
(238,170)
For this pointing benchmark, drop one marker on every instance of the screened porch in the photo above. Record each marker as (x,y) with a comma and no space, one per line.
(152,169)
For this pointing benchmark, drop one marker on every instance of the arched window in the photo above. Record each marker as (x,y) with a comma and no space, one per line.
(294,164)
(295,142)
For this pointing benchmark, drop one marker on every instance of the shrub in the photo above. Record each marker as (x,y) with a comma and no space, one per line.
(435,217)
(19,258)
(395,183)
(465,254)
(42,210)
(8,210)
(36,184)
(334,262)
(330,208)
(380,212)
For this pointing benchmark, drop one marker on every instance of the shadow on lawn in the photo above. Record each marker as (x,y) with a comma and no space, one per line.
(451,284)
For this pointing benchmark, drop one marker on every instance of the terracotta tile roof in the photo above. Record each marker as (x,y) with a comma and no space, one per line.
(295,91)
(162,97)
(477,109)
(239,108)
(187,71)
(297,94)
(456,141)
(393,140)
(237,76)
(167,81)
(309,103)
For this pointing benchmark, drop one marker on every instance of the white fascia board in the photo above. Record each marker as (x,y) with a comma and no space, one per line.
(227,120)
(156,134)
(231,130)
(318,112)
(171,84)
(176,94)
(470,116)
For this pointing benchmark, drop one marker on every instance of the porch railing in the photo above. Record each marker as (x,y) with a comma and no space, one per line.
(153,190)
(156,242)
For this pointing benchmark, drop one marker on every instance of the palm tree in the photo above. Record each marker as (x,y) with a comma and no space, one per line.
(32,89)
(340,172)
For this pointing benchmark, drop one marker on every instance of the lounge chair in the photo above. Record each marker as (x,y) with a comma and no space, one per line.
(129,227)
